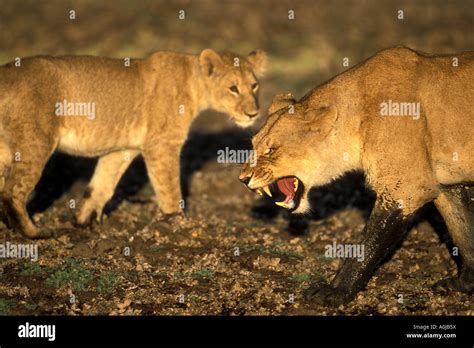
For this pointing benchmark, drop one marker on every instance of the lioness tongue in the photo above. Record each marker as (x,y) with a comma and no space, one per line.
(286,186)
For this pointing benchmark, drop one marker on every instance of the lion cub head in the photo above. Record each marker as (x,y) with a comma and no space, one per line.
(292,152)
(232,83)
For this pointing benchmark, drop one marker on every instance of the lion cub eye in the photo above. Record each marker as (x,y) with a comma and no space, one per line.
(254,86)
(234,89)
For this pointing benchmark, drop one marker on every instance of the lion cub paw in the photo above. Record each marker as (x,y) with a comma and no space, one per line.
(33,232)
(87,214)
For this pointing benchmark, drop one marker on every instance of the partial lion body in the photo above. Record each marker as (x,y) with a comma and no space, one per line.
(445,128)
(116,109)
(450,117)
(405,154)
(406,121)
(124,100)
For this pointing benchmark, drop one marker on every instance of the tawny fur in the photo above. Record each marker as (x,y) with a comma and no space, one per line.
(338,127)
(146,108)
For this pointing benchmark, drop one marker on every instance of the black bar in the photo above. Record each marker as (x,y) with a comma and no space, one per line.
(242,330)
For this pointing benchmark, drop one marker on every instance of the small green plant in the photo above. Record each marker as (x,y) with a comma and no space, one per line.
(203,273)
(194,298)
(273,250)
(32,269)
(5,306)
(420,300)
(324,258)
(30,306)
(73,274)
(107,282)
(78,281)
(156,248)
(301,277)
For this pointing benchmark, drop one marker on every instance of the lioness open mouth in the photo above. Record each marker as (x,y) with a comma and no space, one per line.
(285,192)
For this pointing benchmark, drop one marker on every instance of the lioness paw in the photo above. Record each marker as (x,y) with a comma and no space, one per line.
(454,284)
(326,295)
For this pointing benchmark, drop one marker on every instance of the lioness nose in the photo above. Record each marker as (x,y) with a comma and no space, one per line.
(245,178)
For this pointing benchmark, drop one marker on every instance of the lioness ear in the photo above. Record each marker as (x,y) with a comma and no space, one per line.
(210,61)
(258,60)
(281,101)
(322,119)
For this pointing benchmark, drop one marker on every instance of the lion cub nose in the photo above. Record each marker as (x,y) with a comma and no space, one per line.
(252,113)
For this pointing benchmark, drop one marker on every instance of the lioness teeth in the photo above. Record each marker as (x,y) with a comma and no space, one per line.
(289,205)
(259,192)
(267,191)
(296,184)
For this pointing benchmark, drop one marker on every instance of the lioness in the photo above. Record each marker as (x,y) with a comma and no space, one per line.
(116,109)
(419,151)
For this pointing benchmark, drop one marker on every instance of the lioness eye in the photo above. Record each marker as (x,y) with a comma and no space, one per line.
(254,86)
(234,89)
(268,151)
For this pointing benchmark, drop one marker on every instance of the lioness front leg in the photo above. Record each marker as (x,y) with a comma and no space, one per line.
(456,205)
(107,174)
(163,166)
(384,230)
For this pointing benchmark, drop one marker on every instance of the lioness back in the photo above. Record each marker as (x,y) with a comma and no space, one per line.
(442,87)
(446,93)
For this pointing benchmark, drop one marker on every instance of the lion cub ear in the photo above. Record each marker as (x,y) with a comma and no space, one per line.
(281,101)
(258,60)
(210,61)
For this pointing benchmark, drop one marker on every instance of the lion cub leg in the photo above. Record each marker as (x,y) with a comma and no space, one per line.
(30,159)
(5,168)
(163,166)
(5,163)
(456,206)
(107,174)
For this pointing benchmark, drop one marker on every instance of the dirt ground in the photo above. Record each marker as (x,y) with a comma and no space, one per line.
(234,253)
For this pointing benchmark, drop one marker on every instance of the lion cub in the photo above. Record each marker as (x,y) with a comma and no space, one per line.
(115,109)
